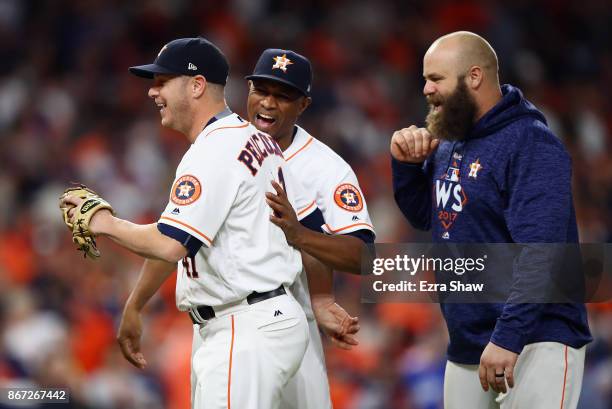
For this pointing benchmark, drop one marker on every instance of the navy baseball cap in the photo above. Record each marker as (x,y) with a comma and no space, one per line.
(188,56)
(285,66)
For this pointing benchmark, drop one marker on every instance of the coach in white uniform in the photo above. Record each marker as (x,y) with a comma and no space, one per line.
(234,264)
(279,92)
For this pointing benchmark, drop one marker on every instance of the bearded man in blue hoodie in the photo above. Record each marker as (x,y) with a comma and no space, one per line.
(487,169)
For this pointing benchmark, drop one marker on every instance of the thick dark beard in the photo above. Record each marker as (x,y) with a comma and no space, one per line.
(455,120)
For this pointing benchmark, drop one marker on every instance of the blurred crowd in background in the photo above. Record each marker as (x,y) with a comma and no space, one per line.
(69,111)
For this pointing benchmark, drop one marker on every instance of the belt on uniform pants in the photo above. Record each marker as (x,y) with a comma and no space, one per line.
(207,312)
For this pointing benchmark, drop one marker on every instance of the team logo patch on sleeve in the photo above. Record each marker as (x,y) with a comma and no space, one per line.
(348,197)
(186,190)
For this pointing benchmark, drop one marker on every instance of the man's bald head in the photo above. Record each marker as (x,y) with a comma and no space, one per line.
(463,50)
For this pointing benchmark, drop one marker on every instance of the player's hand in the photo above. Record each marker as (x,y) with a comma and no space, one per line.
(97,219)
(412,144)
(496,360)
(284,216)
(335,321)
(128,337)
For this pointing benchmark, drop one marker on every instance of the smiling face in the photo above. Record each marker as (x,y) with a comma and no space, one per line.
(170,94)
(451,117)
(274,108)
(452,108)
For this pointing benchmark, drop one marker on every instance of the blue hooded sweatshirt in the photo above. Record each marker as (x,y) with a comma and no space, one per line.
(509,181)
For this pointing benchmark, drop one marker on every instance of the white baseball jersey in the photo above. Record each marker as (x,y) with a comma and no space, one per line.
(218,197)
(325,174)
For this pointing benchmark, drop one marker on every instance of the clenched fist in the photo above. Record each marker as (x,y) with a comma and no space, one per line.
(413,145)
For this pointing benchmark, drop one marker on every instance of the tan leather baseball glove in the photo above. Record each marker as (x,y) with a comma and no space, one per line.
(79,223)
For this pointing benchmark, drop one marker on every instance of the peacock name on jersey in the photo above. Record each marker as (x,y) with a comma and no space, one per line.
(258,148)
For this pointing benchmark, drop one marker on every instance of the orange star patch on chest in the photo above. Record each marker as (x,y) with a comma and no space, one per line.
(348,197)
(474,168)
(186,190)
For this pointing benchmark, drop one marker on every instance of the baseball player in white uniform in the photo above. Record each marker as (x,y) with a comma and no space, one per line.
(279,91)
(249,257)
(235,266)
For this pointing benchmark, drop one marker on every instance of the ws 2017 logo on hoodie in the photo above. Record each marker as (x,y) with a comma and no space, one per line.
(449,195)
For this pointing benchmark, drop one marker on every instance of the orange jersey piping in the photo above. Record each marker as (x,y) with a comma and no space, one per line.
(301,149)
(304,210)
(347,227)
(228,127)
(229,375)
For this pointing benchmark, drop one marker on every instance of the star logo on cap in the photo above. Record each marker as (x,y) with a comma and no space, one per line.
(281,62)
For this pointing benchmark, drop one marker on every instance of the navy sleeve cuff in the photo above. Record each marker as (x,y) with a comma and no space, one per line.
(515,325)
(314,221)
(508,338)
(365,235)
(191,243)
